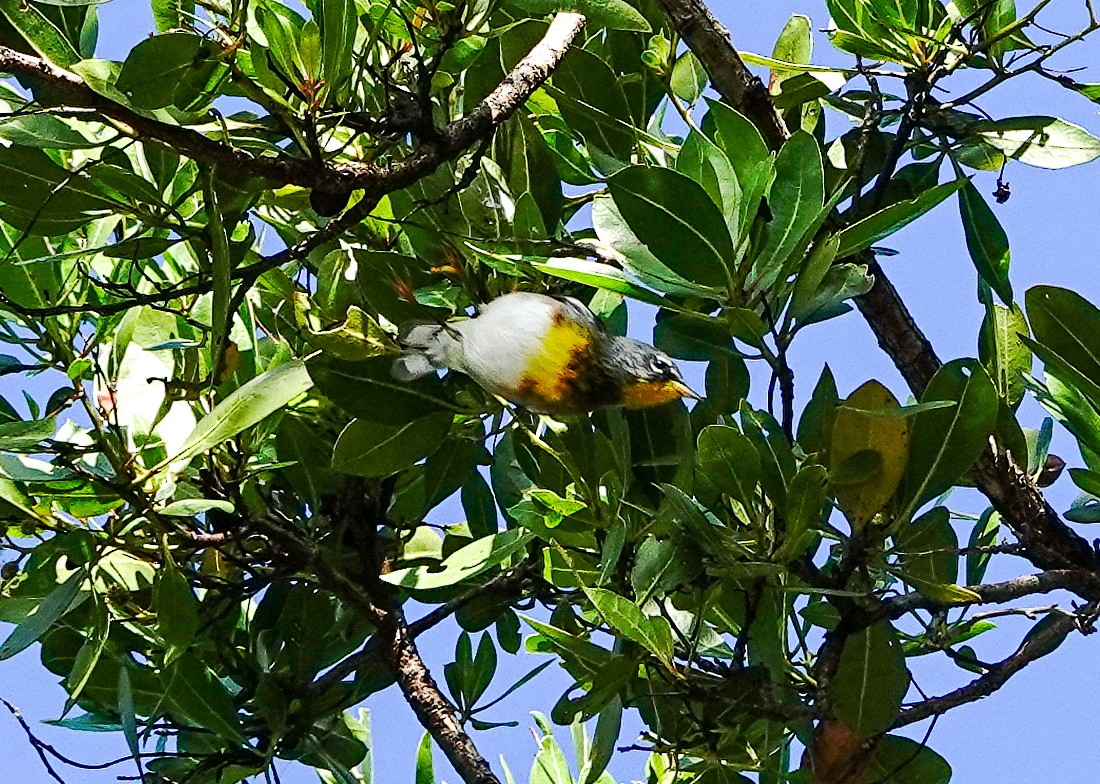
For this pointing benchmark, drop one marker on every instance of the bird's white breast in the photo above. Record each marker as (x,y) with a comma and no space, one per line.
(499,345)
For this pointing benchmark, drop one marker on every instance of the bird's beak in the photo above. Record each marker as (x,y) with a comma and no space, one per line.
(683,390)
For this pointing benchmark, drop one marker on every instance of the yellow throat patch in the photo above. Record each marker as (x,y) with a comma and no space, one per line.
(646,394)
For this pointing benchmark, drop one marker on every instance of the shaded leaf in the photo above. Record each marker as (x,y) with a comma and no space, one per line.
(870,681)
(856,431)
(986,241)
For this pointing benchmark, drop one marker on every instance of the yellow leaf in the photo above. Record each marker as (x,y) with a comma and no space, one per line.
(864,428)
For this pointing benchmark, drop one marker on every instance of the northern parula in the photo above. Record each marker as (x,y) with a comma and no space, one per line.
(550,355)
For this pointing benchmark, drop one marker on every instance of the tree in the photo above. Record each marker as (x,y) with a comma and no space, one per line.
(216,524)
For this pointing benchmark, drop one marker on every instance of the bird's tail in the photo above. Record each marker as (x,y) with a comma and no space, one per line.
(426,347)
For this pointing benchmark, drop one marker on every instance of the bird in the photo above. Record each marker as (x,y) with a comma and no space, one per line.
(550,355)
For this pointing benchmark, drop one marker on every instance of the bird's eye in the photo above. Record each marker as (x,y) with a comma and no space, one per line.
(660,366)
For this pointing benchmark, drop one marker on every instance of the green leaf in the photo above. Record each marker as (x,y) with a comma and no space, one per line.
(610,14)
(48,612)
(281,29)
(376,449)
(193,693)
(357,338)
(905,761)
(841,283)
(425,770)
(43,131)
(604,741)
(38,31)
(89,654)
(815,427)
(796,199)
(794,45)
(170,14)
(866,232)
(659,439)
(473,559)
(730,461)
(311,476)
(738,137)
(480,506)
(806,499)
(822,614)
(928,549)
(1046,142)
(613,230)
(658,568)
(189,507)
(702,160)
(694,338)
(689,78)
(126,710)
(944,443)
(777,465)
(652,633)
(549,766)
(986,241)
(598,275)
(593,104)
(25,436)
(1047,635)
(870,681)
(676,219)
(339,22)
(1004,354)
(39,191)
(368,391)
(157,65)
(176,607)
(1069,325)
(245,407)
(727,384)
(984,534)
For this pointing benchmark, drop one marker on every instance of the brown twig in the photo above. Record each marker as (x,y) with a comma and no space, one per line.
(1041,642)
(1082,583)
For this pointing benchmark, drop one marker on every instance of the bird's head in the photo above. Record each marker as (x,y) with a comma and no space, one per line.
(651,377)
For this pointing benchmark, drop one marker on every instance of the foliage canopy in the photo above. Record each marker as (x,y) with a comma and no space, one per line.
(216,520)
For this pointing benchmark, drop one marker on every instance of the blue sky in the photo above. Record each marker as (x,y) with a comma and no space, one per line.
(1041,724)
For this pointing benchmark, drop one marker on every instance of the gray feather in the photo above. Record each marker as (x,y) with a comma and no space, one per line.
(411,365)
(428,346)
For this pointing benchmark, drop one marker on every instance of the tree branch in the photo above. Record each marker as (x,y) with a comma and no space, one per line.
(711,43)
(377,180)
(433,710)
(1082,583)
(1051,543)
(396,646)
(1042,641)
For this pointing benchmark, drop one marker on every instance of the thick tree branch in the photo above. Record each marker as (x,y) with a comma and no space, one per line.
(1082,583)
(433,710)
(68,89)
(1050,542)
(711,43)
(1042,641)
(396,646)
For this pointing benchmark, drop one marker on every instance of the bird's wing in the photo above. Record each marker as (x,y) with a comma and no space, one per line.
(580,313)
